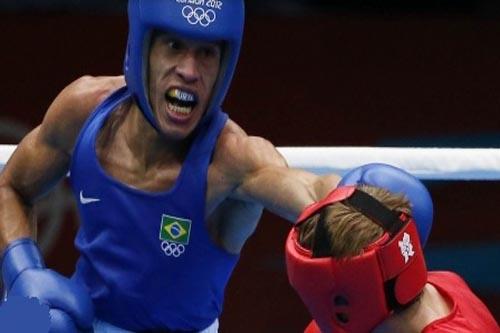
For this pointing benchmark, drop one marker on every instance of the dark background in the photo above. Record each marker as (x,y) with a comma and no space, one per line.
(332,73)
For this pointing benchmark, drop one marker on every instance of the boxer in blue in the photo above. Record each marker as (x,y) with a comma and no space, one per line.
(168,188)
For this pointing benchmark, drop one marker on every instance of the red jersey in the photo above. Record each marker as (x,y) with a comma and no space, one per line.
(468,314)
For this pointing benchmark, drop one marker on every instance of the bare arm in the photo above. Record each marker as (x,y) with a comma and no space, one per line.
(265,179)
(42,157)
(285,191)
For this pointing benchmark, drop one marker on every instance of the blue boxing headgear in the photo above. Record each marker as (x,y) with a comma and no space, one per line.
(203,20)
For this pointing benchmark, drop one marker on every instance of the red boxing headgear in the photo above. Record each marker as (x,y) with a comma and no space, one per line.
(356,294)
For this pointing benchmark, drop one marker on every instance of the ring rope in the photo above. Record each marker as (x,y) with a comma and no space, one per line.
(424,163)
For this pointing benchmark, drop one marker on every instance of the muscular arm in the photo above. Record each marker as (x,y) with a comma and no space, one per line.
(285,191)
(43,156)
(264,178)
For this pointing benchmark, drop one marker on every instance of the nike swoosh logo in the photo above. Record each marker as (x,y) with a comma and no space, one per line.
(85,201)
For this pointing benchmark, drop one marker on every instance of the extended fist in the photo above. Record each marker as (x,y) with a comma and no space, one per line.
(397,180)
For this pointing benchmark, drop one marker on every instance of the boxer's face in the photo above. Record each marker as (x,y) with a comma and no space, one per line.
(182,75)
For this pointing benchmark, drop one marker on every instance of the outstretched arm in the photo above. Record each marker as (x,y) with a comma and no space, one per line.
(263,177)
(285,191)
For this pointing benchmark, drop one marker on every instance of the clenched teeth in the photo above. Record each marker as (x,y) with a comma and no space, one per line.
(180,109)
(180,96)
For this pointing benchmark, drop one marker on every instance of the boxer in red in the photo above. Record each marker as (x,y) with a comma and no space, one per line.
(355,258)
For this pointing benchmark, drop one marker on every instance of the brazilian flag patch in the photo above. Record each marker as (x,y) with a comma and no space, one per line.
(175,229)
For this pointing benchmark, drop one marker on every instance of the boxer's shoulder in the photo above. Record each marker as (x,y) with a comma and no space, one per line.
(239,154)
(73,105)
(88,91)
(83,95)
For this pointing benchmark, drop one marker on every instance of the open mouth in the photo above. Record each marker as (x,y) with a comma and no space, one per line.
(181,101)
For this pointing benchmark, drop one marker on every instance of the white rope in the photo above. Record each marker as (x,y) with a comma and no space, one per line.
(5,152)
(424,163)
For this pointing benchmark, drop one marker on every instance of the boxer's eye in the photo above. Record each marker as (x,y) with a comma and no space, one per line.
(175,44)
(209,51)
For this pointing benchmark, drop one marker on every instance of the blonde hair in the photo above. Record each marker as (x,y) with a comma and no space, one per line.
(349,230)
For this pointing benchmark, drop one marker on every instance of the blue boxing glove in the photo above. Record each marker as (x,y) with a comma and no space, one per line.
(24,274)
(397,180)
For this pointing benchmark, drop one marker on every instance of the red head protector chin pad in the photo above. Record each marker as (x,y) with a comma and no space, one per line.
(355,294)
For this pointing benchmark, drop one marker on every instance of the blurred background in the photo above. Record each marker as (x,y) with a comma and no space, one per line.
(324,72)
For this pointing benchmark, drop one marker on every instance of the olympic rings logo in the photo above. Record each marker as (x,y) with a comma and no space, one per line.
(172,249)
(198,15)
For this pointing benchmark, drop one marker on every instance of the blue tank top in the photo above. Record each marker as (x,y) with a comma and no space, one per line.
(147,258)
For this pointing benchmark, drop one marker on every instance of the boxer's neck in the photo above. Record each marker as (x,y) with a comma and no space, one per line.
(430,307)
(147,144)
